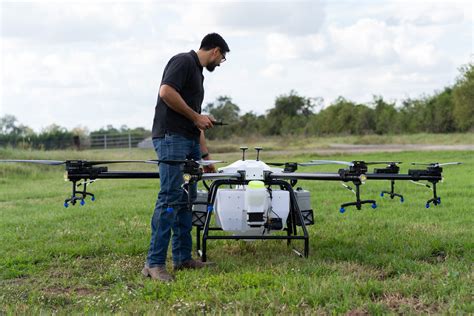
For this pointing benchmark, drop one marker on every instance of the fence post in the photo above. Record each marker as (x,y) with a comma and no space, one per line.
(129,141)
(105,141)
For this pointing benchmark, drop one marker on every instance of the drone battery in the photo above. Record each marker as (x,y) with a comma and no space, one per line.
(303,197)
(200,209)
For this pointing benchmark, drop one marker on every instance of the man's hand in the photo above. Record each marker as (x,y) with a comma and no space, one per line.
(210,169)
(203,122)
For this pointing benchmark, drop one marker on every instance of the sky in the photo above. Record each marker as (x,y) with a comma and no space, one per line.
(99,62)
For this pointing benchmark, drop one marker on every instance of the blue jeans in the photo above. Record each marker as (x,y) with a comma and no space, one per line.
(171,208)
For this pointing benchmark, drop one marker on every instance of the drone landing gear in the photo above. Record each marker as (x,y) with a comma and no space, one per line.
(291,230)
(78,195)
(358,203)
(436,199)
(392,193)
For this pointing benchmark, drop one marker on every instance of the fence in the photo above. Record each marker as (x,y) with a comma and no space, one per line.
(122,140)
(92,141)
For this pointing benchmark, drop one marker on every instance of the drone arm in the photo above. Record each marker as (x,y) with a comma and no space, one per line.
(114,175)
(311,176)
(221,175)
(381,176)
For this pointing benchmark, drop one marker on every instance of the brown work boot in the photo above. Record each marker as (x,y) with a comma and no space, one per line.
(193,264)
(157,273)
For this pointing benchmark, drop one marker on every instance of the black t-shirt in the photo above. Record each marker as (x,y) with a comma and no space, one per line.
(184,73)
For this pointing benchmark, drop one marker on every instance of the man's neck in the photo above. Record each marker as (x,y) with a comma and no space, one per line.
(202,57)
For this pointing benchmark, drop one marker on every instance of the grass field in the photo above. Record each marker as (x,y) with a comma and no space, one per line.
(399,258)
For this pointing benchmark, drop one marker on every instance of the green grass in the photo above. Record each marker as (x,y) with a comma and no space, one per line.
(399,258)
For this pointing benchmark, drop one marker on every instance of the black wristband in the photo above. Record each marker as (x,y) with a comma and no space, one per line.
(205,155)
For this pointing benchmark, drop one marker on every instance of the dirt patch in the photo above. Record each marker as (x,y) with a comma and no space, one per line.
(349,148)
(357,312)
(398,303)
(59,290)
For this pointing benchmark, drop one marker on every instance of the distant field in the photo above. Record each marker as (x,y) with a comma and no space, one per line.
(399,258)
(310,143)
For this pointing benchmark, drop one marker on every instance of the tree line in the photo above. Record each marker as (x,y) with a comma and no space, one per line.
(446,111)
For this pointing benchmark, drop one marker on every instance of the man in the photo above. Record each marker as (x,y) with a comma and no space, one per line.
(178,133)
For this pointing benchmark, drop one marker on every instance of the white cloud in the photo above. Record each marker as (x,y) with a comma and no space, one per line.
(366,41)
(273,70)
(100,62)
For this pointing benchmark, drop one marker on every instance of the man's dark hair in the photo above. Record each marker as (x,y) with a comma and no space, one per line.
(214,40)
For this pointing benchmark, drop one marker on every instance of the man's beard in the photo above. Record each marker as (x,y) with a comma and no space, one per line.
(210,67)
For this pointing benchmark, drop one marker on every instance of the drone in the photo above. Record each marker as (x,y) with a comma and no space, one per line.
(250,199)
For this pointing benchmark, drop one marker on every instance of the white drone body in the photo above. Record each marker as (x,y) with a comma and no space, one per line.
(247,209)
(253,168)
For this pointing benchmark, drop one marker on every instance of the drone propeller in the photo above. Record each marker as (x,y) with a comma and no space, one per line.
(42,162)
(279,164)
(103,162)
(59,162)
(436,164)
(331,162)
(383,162)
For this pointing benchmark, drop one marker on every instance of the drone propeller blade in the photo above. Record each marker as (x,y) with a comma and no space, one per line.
(449,163)
(208,162)
(280,164)
(383,162)
(435,164)
(332,162)
(306,164)
(277,164)
(422,164)
(42,162)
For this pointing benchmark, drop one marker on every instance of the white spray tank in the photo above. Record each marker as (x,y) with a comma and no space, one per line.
(255,203)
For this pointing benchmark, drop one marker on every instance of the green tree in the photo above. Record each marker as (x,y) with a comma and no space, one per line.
(438,114)
(8,124)
(290,114)
(223,109)
(340,117)
(463,99)
(250,125)
(386,118)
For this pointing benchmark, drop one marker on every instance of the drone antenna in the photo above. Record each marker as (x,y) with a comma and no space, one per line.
(243,148)
(258,151)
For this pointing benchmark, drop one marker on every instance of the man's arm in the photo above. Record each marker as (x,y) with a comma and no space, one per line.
(205,153)
(174,100)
